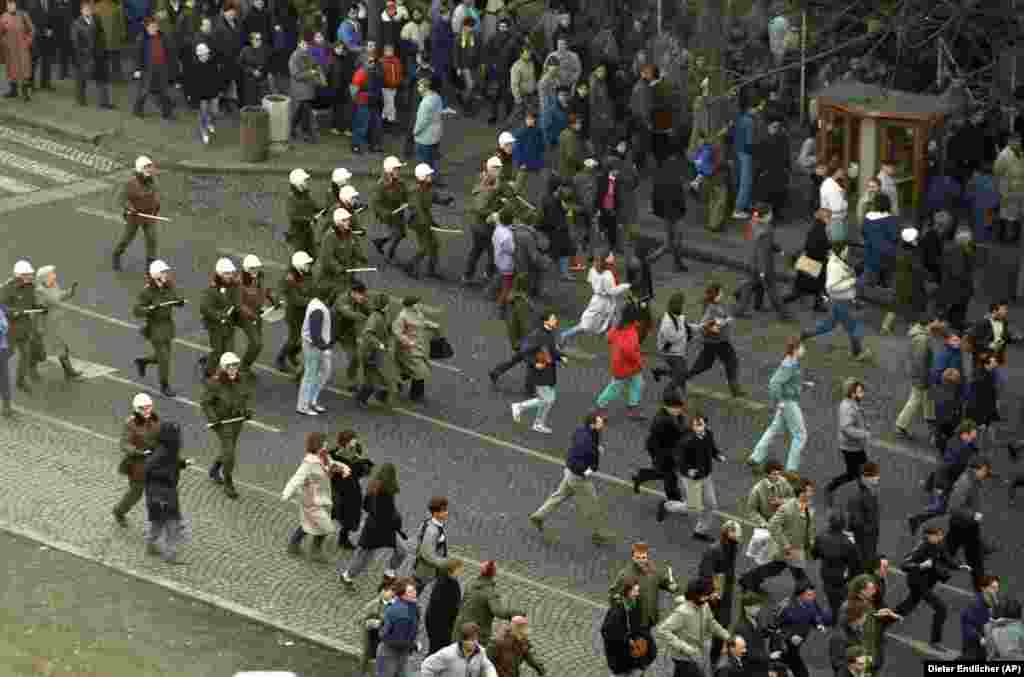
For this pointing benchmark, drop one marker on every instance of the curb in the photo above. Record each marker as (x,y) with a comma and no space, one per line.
(185,591)
(67,130)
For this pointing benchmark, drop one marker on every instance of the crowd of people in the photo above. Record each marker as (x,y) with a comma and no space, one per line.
(595,131)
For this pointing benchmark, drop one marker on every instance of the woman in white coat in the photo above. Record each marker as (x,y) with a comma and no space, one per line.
(606,301)
(313,478)
(51,324)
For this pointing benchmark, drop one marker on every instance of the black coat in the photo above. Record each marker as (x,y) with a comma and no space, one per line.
(383,522)
(555,226)
(863,518)
(758,639)
(163,470)
(666,433)
(346,492)
(443,609)
(838,556)
(957,276)
(618,628)
(668,199)
(228,43)
(258,21)
(720,560)
(771,165)
(697,453)
(981,405)
(205,80)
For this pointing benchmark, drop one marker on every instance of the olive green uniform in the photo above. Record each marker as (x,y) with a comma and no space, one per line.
(253,297)
(296,292)
(349,321)
(21,333)
(376,347)
(337,254)
(518,314)
(137,436)
(226,399)
(138,197)
(159,327)
(422,203)
(387,197)
(412,344)
(218,309)
(302,211)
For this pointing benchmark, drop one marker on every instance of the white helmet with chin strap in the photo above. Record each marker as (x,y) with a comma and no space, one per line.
(301,261)
(224,267)
(23,268)
(251,263)
(140,401)
(341,176)
(298,178)
(506,138)
(142,163)
(158,267)
(229,360)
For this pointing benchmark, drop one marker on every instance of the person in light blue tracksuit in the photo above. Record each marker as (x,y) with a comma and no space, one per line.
(785,386)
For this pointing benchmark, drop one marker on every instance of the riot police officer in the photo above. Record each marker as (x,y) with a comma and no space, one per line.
(296,290)
(389,196)
(226,406)
(339,252)
(253,297)
(19,298)
(218,309)
(138,438)
(302,212)
(140,202)
(156,304)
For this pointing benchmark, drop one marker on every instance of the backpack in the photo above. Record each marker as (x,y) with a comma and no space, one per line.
(1003,639)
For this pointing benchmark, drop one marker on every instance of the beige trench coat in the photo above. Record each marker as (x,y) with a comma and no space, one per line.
(16,35)
(315,501)
(412,343)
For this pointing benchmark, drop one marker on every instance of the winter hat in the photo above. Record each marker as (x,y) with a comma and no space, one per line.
(489,568)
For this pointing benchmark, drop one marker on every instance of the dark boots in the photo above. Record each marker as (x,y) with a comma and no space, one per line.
(229,487)
(26,90)
(12,93)
(343,540)
(215,472)
(417,389)
(379,243)
(363,395)
(393,248)
(280,361)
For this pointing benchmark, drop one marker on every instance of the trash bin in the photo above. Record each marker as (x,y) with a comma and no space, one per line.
(279,108)
(254,134)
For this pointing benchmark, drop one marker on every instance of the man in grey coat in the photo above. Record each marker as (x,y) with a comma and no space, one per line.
(432,545)
(762,267)
(853,437)
(965,516)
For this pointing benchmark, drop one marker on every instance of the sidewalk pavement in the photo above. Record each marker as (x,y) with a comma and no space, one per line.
(177,145)
(61,482)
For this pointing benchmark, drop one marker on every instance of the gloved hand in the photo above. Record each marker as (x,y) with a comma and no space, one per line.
(977,517)
(927,564)
(796,640)
(692,473)
(588,472)
(775,655)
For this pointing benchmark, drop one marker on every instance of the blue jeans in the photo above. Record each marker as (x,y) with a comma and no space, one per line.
(207,113)
(427,153)
(570,332)
(366,125)
(5,375)
(788,417)
(317,365)
(635,383)
(744,181)
(841,314)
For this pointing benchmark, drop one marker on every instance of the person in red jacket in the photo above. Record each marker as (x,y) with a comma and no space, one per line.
(627,366)
(391,65)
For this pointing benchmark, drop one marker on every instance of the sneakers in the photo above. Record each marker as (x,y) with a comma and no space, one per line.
(120,519)
(740,215)
(517,412)
(307,412)
(319,408)
(140,366)
(448,110)
(541,428)
(701,536)
(206,139)
(345,579)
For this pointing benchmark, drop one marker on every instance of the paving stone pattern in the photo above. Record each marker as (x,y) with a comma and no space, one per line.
(62,484)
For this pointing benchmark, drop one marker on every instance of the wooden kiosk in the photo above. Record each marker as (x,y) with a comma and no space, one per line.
(865,125)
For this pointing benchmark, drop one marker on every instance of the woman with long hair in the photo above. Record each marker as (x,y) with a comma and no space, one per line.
(628,643)
(716,325)
(606,299)
(313,480)
(383,525)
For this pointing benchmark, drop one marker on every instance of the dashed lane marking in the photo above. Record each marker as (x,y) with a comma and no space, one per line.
(30,166)
(914,644)
(14,186)
(88,369)
(183,400)
(44,197)
(38,143)
(468,432)
(744,402)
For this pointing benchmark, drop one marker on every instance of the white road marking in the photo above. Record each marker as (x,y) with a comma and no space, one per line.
(469,432)
(183,400)
(49,195)
(747,403)
(88,369)
(14,186)
(60,150)
(30,166)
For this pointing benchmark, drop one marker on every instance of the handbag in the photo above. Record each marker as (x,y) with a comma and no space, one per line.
(808,266)
(638,647)
(440,348)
